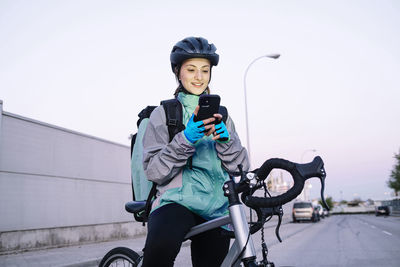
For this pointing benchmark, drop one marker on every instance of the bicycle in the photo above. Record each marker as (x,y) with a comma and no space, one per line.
(242,251)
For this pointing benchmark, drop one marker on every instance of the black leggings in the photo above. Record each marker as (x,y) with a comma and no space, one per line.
(167,228)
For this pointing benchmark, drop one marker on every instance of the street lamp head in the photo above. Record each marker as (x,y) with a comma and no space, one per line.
(274,56)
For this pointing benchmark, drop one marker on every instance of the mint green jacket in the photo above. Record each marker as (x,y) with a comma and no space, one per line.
(198,188)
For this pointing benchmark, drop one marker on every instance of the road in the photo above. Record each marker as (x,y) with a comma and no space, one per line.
(340,240)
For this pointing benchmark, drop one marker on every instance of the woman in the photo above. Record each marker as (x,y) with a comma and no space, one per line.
(189,193)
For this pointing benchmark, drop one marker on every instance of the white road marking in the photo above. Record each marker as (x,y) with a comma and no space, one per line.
(387,233)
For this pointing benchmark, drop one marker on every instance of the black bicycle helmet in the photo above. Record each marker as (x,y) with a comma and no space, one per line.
(193,47)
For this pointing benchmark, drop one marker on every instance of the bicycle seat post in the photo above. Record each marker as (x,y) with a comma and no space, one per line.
(242,233)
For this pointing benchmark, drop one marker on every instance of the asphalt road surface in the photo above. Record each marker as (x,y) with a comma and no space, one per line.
(340,240)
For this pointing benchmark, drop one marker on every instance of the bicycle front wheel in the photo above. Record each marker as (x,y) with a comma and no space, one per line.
(120,256)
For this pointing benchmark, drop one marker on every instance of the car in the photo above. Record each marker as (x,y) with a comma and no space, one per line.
(304,211)
(320,211)
(382,210)
(326,212)
(317,216)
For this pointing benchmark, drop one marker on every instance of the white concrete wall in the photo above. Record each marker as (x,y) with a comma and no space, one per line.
(52,177)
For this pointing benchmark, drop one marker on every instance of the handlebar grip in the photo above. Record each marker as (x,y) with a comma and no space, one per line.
(299,172)
(312,169)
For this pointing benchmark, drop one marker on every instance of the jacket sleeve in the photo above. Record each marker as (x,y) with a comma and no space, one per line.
(163,160)
(232,153)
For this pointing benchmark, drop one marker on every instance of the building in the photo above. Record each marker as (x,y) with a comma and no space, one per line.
(60,187)
(277,184)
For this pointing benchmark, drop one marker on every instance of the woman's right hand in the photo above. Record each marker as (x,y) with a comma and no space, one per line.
(197,129)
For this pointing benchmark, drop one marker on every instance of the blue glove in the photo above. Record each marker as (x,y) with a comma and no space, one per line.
(220,129)
(194,130)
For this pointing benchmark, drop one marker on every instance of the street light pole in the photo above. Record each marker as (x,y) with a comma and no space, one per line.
(273,56)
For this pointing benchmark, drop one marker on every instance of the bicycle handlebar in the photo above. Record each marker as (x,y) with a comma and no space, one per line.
(299,172)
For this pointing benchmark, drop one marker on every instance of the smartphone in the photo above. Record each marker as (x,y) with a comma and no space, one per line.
(209,105)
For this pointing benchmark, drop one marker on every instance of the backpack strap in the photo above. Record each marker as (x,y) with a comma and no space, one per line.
(224,112)
(133,141)
(174,115)
(149,201)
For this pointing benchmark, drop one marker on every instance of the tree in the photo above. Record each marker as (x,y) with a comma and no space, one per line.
(394,180)
(328,201)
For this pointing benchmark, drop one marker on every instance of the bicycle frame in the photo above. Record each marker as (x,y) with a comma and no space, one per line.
(237,218)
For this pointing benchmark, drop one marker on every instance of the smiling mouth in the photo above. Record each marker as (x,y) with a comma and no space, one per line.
(197,84)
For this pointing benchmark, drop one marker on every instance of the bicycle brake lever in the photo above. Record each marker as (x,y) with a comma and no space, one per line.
(322,178)
(280,214)
(274,211)
(315,169)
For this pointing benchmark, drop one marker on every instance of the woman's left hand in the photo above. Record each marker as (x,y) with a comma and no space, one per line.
(220,132)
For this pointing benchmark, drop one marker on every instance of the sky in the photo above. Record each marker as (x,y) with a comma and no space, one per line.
(91,66)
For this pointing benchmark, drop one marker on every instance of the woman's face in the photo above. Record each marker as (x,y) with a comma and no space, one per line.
(195,75)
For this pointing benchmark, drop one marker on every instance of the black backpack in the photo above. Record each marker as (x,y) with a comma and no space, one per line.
(174,118)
